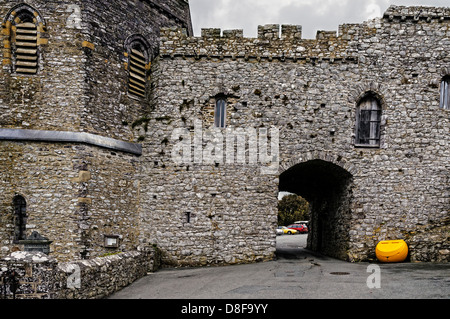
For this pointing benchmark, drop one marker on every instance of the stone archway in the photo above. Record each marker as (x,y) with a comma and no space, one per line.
(328,189)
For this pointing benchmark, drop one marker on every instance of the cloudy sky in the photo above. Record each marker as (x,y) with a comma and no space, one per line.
(313,15)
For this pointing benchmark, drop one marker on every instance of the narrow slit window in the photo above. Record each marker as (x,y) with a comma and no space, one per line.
(187,217)
(137,74)
(220,113)
(445,93)
(20,217)
(368,130)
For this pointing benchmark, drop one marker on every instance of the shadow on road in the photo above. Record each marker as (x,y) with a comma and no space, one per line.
(294,247)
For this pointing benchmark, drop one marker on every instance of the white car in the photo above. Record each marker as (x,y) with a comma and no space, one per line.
(281,230)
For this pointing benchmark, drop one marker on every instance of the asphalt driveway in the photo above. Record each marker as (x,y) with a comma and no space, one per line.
(296,274)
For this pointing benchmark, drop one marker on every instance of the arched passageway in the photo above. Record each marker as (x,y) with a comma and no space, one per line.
(328,189)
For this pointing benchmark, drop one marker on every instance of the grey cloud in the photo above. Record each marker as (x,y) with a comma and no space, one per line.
(312,15)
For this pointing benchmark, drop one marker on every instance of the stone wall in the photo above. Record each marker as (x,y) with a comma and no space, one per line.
(111,110)
(223,211)
(78,188)
(75,194)
(81,84)
(39,276)
(309,90)
(102,276)
(26,275)
(43,101)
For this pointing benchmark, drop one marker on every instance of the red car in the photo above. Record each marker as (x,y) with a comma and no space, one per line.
(300,228)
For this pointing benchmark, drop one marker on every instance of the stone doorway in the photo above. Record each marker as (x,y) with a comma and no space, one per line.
(328,189)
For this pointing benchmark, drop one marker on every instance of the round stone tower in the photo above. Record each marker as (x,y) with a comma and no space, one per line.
(74,78)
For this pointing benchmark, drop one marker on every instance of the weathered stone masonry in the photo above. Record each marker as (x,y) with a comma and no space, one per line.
(310,90)
(68,145)
(39,276)
(92,160)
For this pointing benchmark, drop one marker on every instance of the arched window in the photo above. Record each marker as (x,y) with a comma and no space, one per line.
(220,113)
(445,93)
(368,122)
(138,63)
(20,217)
(22,25)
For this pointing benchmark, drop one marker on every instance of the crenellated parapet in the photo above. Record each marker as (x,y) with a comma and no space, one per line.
(285,42)
(417,13)
(274,42)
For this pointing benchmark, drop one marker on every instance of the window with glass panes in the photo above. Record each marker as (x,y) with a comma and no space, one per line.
(220,113)
(445,93)
(368,130)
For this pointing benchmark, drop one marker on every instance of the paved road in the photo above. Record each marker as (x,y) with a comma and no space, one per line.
(296,274)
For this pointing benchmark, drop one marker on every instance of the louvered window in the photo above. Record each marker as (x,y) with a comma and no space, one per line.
(137,73)
(26,51)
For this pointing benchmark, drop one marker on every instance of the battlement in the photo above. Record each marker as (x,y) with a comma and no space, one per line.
(273,42)
(283,42)
(417,13)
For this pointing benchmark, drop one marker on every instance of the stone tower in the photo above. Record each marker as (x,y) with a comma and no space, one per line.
(74,77)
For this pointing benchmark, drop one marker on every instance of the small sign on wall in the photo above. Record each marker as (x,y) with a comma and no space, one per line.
(111,241)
